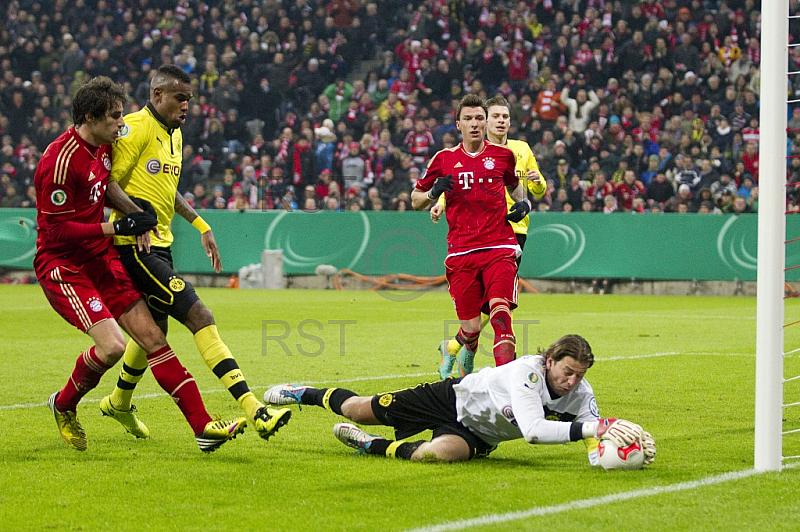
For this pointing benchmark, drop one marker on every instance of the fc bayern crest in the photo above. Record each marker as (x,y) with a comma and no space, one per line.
(106,162)
(488,164)
(95,305)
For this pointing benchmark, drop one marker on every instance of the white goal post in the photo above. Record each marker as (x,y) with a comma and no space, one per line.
(771,235)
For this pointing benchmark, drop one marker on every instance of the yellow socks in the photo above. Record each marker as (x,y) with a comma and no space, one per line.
(219,359)
(134,364)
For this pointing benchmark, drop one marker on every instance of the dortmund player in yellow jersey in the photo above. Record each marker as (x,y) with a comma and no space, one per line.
(497,124)
(146,166)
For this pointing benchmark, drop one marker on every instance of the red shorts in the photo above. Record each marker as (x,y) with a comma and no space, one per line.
(85,295)
(480,276)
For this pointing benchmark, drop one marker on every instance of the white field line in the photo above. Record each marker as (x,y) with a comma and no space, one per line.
(342,381)
(653,355)
(220,390)
(633,315)
(530,314)
(493,519)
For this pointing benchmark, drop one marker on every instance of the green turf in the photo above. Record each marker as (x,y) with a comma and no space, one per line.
(682,367)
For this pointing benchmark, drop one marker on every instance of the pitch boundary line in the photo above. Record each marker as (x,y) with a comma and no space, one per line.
(339,381)
(494,519)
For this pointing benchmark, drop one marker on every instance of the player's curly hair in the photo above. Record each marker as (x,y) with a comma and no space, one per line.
(571,345)
(97,97)
(470,100)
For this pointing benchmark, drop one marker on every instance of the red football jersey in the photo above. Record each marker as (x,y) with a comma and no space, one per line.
(476,207)
(70,180)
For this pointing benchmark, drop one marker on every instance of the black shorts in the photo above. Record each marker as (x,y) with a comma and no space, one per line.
(521,238)
(427,406)
(167,293)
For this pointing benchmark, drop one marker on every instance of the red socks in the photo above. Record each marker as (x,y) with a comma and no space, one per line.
(86,375)
(505,344)
(468,340)
(180,385)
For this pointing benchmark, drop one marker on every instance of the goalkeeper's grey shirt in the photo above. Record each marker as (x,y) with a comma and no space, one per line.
(513,401)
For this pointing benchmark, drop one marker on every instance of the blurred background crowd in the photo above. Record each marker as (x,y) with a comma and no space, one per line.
(634,106)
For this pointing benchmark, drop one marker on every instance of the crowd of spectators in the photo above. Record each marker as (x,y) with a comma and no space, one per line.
(640,106)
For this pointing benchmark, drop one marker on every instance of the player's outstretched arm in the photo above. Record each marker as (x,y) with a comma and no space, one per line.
(206,234)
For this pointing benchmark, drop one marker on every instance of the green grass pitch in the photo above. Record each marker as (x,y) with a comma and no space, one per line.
(683,367)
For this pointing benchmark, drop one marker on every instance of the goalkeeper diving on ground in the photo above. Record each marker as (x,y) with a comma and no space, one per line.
(542,398)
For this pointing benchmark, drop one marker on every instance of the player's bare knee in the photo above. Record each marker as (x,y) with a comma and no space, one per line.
(199,317)
(152,339)
(359,410)
(111,349)
(431,452)
(444,448)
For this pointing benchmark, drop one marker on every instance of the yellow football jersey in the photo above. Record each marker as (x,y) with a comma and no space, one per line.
(525,160)
(146,162)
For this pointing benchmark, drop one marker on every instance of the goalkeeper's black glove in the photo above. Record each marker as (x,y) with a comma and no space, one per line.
(440,186)
(144,205)
(136,223)
(519,211)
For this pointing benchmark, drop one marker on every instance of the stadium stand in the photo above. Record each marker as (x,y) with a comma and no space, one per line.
(312,105)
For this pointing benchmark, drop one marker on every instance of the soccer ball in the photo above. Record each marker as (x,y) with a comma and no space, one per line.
(627,458)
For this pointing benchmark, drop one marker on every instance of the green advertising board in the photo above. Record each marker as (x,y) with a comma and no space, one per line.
(574,245)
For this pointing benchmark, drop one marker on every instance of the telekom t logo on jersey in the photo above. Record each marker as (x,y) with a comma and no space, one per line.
(466,179)
(95,192)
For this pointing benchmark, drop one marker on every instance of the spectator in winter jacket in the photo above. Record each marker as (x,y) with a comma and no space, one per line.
(548,106)
(579,108)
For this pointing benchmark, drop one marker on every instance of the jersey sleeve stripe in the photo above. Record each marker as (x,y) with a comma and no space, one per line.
(62,162)
(54,213)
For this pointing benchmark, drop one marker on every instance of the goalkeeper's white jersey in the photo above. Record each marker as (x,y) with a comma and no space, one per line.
(512,401)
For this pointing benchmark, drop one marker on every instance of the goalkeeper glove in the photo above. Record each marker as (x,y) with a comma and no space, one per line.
(519,211)
(619,431)
(135,223)
(145,206)
(440,186)
(648,447)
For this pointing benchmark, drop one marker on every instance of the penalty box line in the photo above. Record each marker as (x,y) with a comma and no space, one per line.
(494,519)
(340,381)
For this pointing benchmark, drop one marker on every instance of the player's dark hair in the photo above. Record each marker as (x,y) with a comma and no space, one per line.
(571,345)
(168,73)
(497,100)
(97,97)
(470,100)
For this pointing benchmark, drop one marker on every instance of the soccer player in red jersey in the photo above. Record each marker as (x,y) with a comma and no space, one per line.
(481,245)
(84,281)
